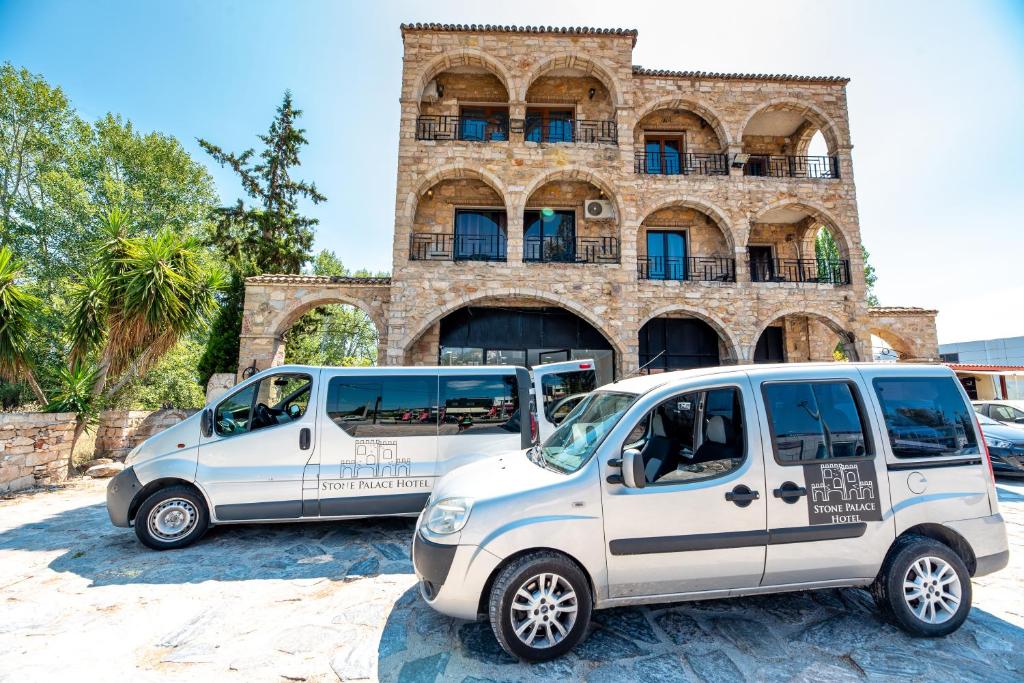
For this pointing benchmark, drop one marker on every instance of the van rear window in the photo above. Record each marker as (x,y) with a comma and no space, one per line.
(383,406)
(479,404)
(925,416)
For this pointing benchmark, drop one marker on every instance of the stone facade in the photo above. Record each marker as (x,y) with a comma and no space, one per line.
(34,449)
(722,210)
(120,431)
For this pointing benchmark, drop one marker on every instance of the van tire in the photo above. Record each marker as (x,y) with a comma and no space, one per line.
(172,517)
(888,588)
(563,574)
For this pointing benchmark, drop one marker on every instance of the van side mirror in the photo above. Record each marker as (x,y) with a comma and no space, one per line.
(1020,420)
(206,423)
(633,474)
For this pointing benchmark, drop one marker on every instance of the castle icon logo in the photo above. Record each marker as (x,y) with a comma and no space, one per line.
(842,492)
(374,459)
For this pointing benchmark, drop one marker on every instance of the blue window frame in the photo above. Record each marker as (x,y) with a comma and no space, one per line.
(549,125)
(666,255)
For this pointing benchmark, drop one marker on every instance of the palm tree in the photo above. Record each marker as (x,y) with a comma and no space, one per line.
(140,297)
(16,311)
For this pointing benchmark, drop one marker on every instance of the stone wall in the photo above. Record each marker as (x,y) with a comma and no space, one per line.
(34,449)
(120,431)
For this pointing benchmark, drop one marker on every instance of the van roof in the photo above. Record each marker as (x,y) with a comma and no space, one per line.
(641,384)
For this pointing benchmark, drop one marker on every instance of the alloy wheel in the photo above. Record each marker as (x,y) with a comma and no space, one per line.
(932,590)
(544,610)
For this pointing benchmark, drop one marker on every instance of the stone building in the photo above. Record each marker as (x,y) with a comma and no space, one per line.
(556,200)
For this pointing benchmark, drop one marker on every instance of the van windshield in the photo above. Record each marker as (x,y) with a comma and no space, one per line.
(584,429)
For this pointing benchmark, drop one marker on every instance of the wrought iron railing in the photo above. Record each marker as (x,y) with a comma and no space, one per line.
(567,130)
(791,167)
(692,268)
(474,129)
(555,249)
(656,163)
(449,247)
(800,270)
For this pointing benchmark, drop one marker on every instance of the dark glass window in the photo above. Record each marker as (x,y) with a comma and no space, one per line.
(561,385)
(549,235)
(274,400)
(483,124)
(479,404)
(666,255)
(549,125)
(480,234)
(925,416)
(383,406)
(814,421)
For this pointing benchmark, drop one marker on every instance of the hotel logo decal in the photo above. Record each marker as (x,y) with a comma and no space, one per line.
(840,493)
(375,464)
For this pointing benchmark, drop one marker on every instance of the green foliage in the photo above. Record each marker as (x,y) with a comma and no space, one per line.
(75,393)
(221,352)
(173,382)
(17,324)
(826,249)
(870,278)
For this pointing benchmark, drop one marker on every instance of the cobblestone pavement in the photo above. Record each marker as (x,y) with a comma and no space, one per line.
(327,601)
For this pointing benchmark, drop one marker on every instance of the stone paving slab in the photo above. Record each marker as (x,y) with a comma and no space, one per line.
(84,601)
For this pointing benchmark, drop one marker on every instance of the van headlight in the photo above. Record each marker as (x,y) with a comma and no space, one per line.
(133,454)
(449,515)
(997,443)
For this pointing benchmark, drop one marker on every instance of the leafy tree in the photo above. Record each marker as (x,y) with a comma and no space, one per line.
(268,236)
(173,382)
(870,278)
(17,309)
(826,249)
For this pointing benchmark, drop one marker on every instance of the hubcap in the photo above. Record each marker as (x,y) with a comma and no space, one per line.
(172,519)
(932,590)
(544,610)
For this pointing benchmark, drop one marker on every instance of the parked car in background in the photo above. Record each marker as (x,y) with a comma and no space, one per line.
(1005,445)
(1007,411)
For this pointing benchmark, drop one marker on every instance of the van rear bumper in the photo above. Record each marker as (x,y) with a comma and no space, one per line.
(121,491)
(987,538)
(989,564)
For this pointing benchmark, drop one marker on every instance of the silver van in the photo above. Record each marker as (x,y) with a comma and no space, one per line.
(723,482)
(296,443)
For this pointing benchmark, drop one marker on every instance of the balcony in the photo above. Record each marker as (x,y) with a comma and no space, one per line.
(537,129)
(778,166)
(555,249)
(688,268)
(451,247)
(816,271)
(468,128)
(650,163)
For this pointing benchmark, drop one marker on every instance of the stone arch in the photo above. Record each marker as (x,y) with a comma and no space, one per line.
(453,171)
(818,212)
(575,60)
(813,113)
(688,201)
(732,343)
(903,347)
(827,318)
(289,316)
(462,57)
(573,173)
(695,106)
(438,312)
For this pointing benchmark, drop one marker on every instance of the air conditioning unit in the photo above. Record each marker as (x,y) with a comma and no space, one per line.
(430,93)
(598,209)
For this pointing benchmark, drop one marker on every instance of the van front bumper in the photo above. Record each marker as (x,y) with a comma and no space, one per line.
(452,577)
(121,491)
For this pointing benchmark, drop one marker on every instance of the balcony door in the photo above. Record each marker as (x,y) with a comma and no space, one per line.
(480,235)
(762,266)
(549,124)
(549,235)
(664,153)
(483,123)
(666,255)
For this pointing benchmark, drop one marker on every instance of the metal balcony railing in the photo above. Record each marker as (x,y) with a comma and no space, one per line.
(800,270)
(473,129)
(691,268)
(449,247)
(656,163)
(791,167)
(567,130)
(555,249)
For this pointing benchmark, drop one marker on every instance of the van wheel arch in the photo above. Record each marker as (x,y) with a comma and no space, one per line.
(157,484)
(482,605)
(947,537)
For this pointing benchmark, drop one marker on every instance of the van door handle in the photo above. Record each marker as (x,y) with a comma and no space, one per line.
(742,496)
(790,492)
(304,435)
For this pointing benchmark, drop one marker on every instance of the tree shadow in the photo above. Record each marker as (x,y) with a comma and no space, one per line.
(107,555)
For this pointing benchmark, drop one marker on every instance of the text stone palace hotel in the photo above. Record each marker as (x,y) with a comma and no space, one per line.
(557,201)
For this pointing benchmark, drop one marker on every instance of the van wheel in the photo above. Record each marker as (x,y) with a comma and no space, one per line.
(540,606)
(172,517)
(924,587)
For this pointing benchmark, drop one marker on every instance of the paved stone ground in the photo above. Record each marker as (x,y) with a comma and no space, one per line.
(84,601)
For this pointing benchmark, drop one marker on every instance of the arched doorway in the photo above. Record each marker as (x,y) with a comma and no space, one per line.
(678,340)
(803,337)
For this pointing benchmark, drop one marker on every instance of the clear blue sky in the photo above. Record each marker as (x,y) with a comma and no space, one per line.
(936,107)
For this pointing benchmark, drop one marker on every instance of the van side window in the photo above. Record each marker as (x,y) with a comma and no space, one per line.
(479,404)
(814,421)
(383,406)
(692,436)
(925,416)
(273,400)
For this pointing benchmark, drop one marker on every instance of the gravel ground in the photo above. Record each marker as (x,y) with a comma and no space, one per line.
(83,600)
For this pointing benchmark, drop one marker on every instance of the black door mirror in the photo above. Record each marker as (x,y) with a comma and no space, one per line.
(206,423)
(1020,420)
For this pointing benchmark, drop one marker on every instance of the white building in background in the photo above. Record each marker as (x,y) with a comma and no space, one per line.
(988,368)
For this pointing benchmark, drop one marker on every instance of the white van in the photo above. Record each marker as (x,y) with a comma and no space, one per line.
(723,482)
(296,443)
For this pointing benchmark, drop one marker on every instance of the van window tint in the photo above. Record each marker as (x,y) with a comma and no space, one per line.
(383,406)
(561,385)
(925,416)
(273,400)
(479,404)
(814,421)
